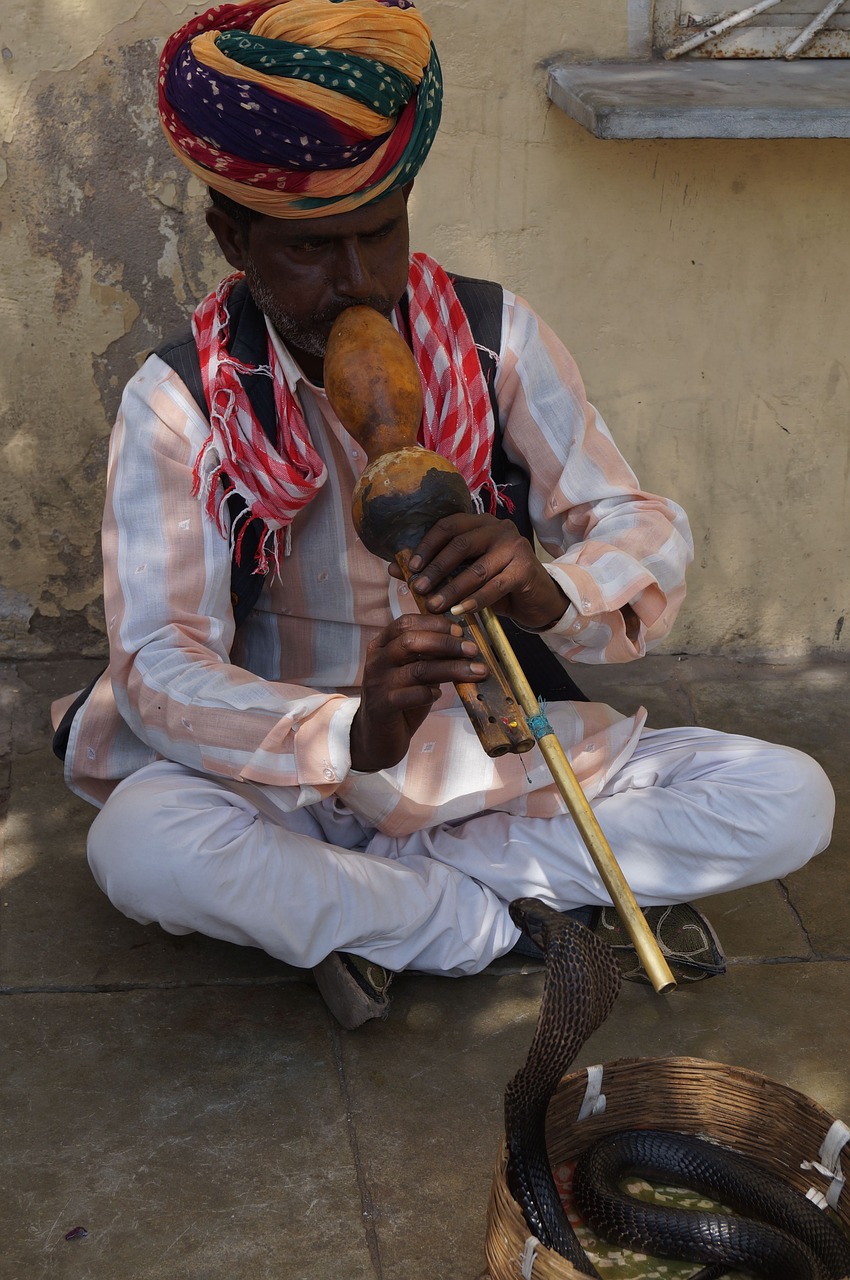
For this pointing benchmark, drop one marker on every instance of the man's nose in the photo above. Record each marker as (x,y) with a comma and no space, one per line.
(354,275)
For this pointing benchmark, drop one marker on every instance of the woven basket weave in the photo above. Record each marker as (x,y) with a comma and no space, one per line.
(767,1121)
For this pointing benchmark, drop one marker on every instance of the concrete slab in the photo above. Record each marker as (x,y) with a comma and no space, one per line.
(426,1093)
(805,706)
(695,98)
(818,893)
(60,931)
(195,1134)
(756,923)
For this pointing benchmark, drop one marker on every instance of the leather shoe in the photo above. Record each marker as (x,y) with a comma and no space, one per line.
(354,989)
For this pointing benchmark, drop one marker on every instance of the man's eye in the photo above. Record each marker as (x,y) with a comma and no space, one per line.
(309,246)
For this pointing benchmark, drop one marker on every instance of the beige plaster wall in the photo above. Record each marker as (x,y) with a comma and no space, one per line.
(702,286)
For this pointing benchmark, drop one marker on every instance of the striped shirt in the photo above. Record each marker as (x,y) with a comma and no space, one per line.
(273,703)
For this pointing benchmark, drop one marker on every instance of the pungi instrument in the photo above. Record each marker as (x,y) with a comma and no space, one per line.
(374,387)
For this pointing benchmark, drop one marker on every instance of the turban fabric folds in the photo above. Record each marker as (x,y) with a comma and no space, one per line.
(300,108)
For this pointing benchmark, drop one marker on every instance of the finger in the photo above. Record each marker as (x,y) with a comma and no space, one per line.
(449,671)
(455,539)
(484,580)
(440,646)
(440,533)
(415,687)
(414,638)
(425,657)
(410,623)
(406,698)
(464,547)
(473,556)
(535,601)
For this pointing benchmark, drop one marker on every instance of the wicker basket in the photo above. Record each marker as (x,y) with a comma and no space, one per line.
(741,1109)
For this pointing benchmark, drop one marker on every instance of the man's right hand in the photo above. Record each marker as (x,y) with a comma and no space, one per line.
(405,666)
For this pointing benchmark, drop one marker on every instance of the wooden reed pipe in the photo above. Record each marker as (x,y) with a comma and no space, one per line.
(373,385)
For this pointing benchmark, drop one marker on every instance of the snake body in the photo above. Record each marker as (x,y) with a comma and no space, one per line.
(580,985)
(804,1245)
(779,1233)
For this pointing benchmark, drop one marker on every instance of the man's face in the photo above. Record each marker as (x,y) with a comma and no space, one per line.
(302,272)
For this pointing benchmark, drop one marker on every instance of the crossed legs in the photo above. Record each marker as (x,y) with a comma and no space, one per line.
(691,814)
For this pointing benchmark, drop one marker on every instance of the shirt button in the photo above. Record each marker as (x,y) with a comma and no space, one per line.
(330,775)
(323,576)
(403,591)
(585,603)
(576,626)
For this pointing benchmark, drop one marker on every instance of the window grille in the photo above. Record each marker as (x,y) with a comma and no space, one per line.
(787,29)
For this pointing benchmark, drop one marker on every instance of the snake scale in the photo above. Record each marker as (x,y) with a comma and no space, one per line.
(774,1232)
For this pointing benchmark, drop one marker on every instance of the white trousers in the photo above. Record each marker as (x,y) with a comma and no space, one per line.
(692,813)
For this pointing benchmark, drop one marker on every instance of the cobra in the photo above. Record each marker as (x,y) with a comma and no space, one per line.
(774,1230)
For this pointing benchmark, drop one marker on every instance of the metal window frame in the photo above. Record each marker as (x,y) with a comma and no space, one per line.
(788,29)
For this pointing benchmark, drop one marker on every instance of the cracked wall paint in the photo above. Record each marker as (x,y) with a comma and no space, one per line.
(94,211)
(702,288)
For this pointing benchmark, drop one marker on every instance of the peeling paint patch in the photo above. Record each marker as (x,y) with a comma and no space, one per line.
(108,246)
(110,192)
(15,609)
(69,634)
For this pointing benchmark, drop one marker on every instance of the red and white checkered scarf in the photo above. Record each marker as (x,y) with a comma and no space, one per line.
(276,482)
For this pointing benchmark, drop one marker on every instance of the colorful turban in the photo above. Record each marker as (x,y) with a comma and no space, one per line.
(299,108)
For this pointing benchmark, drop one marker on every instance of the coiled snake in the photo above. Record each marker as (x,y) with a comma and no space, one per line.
(780,1235)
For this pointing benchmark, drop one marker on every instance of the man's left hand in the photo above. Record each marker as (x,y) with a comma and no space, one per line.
(475,561)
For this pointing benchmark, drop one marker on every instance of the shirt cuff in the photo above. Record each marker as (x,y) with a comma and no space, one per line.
(569,625)
(571,621)
(339,739)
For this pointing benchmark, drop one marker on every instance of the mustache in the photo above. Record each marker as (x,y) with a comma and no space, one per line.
(328,315)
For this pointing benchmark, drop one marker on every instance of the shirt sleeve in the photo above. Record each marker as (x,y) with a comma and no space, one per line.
(618,553)
(170,622)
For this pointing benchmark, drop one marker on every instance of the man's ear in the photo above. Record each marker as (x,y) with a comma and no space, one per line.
(406,190)
(229,235)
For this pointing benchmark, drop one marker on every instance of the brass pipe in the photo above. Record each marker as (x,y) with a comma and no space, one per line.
(642,937)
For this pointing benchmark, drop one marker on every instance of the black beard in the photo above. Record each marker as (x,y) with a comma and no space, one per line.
(311,340)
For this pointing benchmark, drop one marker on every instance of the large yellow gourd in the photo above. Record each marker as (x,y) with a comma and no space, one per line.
(374,387)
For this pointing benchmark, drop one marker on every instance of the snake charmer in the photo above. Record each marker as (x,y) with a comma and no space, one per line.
(276,748)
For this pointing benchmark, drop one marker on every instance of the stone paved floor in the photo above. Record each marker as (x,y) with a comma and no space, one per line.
(192,1105)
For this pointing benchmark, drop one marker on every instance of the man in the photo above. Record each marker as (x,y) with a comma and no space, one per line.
(307,781)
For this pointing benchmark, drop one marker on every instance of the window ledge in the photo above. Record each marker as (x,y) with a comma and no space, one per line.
(735,98)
